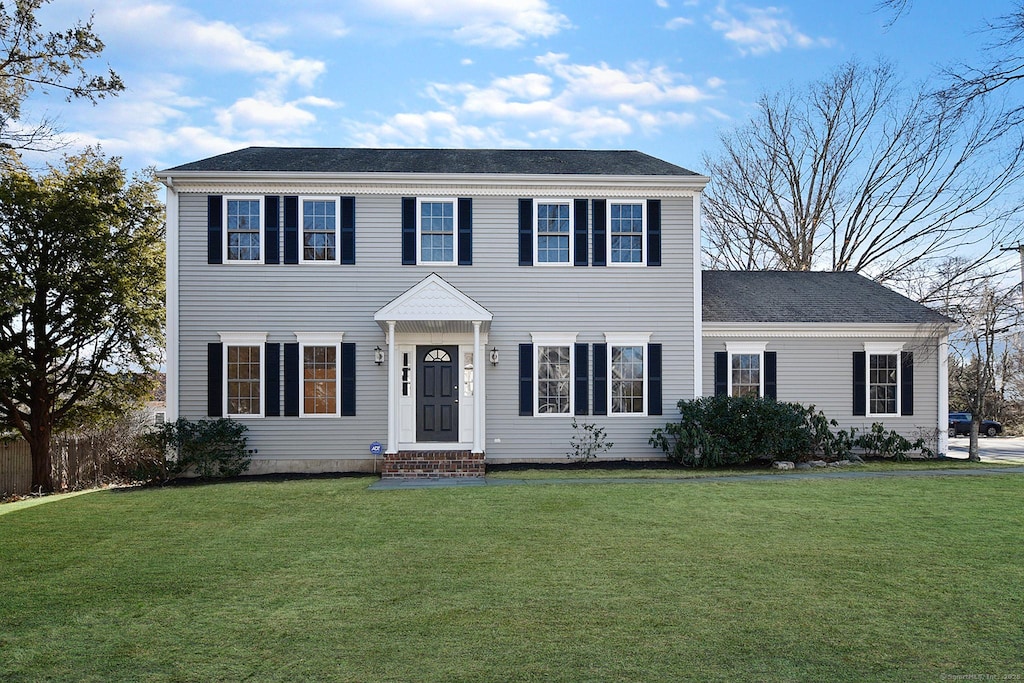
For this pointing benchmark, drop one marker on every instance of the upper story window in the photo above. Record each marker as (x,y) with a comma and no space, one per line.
(627,230)
(436,230)
(553,220)
(319,230)
(244,229)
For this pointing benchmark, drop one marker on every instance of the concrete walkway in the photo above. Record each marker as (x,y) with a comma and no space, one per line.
(6,508)
(453,482)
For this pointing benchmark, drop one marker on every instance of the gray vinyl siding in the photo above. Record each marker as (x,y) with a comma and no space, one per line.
(820,372)
(590,301)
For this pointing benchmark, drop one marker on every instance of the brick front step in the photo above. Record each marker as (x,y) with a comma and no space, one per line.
(436,464)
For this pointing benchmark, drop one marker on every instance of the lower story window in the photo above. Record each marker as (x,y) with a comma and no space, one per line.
(627,379)
(320,380)
(746,374)
(554,380)
(883,382)
(244,380)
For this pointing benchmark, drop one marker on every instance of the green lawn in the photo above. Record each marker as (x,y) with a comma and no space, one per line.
(858,580)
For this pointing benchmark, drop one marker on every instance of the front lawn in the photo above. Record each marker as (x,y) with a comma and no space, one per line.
(881,579)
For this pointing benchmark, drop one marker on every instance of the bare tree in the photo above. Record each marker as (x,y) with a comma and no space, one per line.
(856,173)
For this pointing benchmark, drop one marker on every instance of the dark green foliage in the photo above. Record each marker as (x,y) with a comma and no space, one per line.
(588,441)
(888,444)
(725,430)
(206,448)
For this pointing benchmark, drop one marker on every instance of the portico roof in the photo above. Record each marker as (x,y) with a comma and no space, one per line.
(433,305)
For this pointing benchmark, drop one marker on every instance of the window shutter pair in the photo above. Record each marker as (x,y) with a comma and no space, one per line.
(579,232)
(580,381)
(860,383)
(272,379)
(272,229)
(770,374)
(463,232)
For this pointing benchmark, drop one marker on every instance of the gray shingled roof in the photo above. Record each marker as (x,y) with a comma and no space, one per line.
(519,161)
(780,297)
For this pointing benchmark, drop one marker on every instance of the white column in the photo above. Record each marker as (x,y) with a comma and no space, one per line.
(392,393)
(477,389)
(943,416)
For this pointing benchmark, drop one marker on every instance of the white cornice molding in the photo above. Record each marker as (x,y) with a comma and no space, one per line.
(410,184)
(822,330)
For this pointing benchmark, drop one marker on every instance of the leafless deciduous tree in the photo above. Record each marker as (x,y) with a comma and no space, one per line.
(855,172)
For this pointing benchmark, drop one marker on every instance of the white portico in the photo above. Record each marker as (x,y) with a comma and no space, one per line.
(436,337)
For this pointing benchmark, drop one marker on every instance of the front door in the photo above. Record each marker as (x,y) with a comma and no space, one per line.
(437,399)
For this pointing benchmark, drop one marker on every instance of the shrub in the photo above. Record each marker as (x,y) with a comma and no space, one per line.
(587,442)
(889,444)
(209,448)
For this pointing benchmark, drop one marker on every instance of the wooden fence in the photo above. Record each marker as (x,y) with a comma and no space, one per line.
(78,462)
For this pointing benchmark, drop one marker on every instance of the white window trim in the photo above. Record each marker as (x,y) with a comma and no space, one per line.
(608,236)
(320,339)
(337,230)
(882,349)
(263,230)
(540,339)
(745,348)
(229,339)
(621,339)
(455,230)
(536,232)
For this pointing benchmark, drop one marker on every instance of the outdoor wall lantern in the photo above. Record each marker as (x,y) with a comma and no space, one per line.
(494,355)
(378,355)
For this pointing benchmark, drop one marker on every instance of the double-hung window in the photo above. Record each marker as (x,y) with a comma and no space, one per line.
(243,230)
(883,375)
(320,383)
(243,373)
(746,368)
(436,219)
(627,229)
(553,221)
(627,385)
(319,230)
(555,368)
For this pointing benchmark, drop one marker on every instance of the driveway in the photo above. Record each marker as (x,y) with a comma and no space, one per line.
(1008,450)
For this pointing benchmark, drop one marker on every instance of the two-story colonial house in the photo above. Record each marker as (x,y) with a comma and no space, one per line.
(422,311)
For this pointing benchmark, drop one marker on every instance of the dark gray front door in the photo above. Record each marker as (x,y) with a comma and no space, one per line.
(437,394)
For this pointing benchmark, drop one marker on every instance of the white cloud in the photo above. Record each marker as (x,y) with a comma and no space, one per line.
(563,101)
(251,116)
(493,23)
(678,23)
(661,3)
(762,31)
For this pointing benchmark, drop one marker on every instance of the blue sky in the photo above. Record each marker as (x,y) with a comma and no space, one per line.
(661,76)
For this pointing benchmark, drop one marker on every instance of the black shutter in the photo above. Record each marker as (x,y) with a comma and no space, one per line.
(860,383)
(770,380)
(291,229)
(408,231)
(215,379)
(347,237)
(580,244)
(214,226)
(654,232)
(907,383)
(600,379)
(291,379)
(272,230)
(582,388)
(526,379)
(600,220)
(526,232)
(654,379)
(348,379)
(721,373)
(272,377)
(465,232)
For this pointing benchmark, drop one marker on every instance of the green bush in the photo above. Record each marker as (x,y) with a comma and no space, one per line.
(588,442)
(207,448)
(888,444)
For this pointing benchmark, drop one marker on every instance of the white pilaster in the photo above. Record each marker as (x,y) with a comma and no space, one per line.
(943,423)
(392,392)
(171,302)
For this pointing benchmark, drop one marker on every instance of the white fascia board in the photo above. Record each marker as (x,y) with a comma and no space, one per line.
(417,184)
(824,330)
